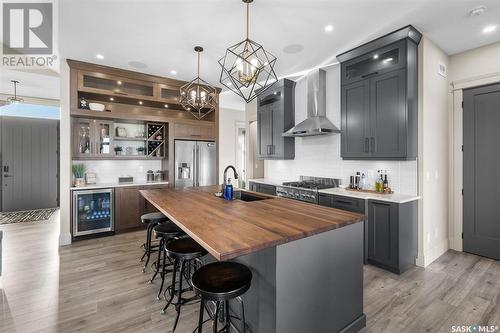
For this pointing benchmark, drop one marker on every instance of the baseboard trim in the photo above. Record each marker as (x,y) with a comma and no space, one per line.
(64,239)
(433,253)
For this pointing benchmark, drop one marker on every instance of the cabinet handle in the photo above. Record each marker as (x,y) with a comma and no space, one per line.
(368,75)
(343,202)
(372,142)
(367,145)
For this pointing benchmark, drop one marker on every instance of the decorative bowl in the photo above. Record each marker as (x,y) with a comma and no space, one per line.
(96,106)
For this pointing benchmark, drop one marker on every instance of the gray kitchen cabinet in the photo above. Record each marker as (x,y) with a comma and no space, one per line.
(276,115)
(379,98)
(387,121)
(354,205)
(392,235)
(262,188)
(355,120)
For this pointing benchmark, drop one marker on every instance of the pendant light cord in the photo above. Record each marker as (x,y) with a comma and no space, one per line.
(248,18)
(198,64)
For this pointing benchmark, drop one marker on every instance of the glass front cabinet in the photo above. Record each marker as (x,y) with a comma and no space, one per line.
(92,138)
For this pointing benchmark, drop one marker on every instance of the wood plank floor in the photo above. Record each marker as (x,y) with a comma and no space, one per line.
(97,286)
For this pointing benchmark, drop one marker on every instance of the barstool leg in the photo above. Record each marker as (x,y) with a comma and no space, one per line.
(228,317)
(242,310)
(216,317)
(172,291)
(179,295)
(200,319)
(157,261)
(148,245)
(163,273)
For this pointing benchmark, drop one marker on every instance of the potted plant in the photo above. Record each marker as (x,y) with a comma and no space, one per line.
(118,150)
(141,150)
(79,174)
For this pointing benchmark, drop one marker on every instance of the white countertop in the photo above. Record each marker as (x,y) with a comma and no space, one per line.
(395,197)
(266,181)
(110,185)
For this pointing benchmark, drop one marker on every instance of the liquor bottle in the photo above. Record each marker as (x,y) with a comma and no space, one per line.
(385,183)
(377,182)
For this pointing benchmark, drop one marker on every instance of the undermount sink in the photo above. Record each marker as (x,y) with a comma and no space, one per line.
(246,196)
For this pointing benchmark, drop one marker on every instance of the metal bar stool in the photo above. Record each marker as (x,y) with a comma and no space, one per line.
(166,232)
(152,220)
(185,252)
(221,282)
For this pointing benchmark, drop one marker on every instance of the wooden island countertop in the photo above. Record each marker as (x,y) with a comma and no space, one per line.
(229,229)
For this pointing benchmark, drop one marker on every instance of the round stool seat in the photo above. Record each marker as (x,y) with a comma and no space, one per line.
(184,249)
(167,230)
(220,281)
(155,217)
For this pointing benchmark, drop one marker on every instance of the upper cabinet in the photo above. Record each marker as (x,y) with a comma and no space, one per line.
(100,83)
(379,97)
(276,115)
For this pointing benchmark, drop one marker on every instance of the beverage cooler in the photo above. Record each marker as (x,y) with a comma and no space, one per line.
(92,212)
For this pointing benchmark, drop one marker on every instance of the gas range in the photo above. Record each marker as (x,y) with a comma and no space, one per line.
(306,189)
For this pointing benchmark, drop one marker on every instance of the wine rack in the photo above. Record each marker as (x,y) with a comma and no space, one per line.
(156,140)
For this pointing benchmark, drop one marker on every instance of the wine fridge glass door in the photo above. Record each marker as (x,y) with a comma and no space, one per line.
(92,212)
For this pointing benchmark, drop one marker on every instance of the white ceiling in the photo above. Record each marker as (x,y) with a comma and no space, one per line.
(162,33)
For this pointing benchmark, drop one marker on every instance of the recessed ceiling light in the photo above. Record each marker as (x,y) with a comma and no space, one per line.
(140,102)
(328,28)
(111,99)
(137,64)
(173,72)
(119,83)
(387,60)
(489,28)
(166,105)
(99,56)
(375,56)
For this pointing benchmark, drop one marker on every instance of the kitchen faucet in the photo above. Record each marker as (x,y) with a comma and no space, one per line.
(225,176)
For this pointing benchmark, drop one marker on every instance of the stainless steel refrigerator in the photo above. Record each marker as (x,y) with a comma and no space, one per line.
(195,163)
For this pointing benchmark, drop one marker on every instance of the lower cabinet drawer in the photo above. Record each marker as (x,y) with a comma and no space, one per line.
(341,202)
(267,189)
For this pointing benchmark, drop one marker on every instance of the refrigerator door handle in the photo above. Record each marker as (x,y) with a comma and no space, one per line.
(195,162)
(197,165)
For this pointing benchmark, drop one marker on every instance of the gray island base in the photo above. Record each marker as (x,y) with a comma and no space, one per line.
(311,285)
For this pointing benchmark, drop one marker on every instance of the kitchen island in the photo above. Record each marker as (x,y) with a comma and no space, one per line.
(307,260)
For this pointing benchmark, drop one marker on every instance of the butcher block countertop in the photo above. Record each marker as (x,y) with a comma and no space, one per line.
(229,229)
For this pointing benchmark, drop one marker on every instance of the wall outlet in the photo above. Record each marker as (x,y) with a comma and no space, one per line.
(442,69)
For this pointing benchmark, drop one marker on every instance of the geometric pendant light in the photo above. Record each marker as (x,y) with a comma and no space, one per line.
(197,96)
(247,66)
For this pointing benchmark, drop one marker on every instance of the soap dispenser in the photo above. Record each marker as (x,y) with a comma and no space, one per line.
(228,190)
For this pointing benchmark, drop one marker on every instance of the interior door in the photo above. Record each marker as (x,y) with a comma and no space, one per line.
(29,163)
(206,160)
(185,172)
(388,115)
(481,196)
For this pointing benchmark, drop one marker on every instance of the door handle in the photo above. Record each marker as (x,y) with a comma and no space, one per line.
(372,142)
(367,145)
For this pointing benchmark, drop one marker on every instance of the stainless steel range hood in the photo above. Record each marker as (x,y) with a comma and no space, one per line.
(316,122)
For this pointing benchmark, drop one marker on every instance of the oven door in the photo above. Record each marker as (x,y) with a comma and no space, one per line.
(93,211)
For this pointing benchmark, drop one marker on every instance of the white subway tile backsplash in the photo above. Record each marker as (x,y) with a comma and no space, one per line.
(108,171)
(320,155)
